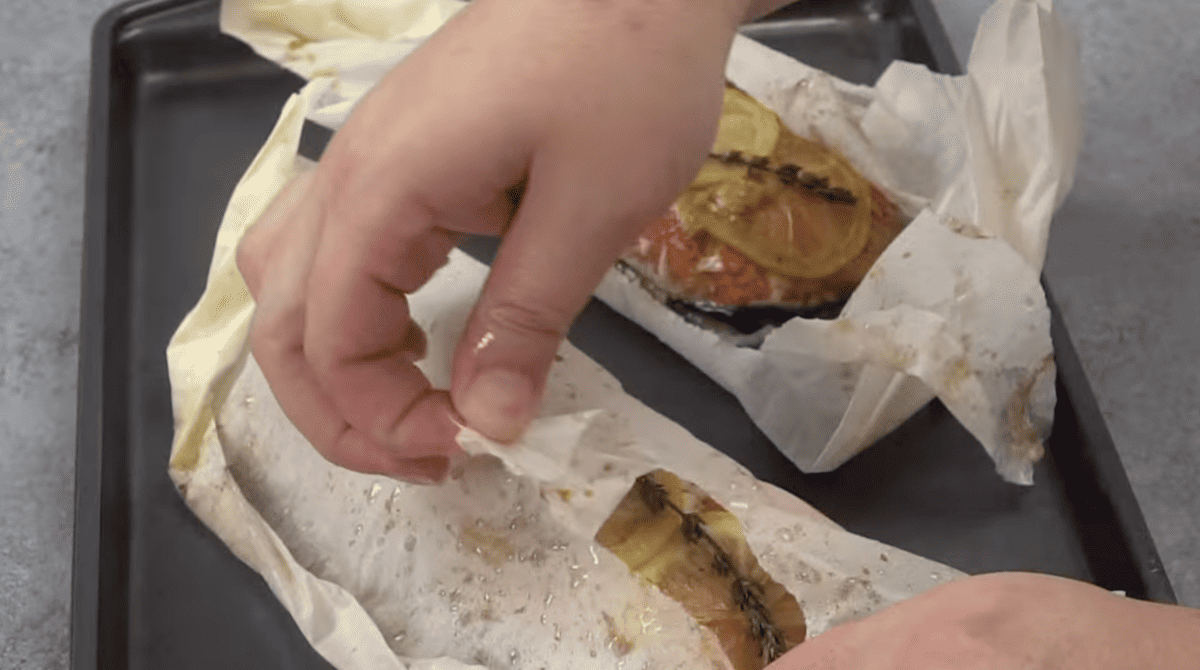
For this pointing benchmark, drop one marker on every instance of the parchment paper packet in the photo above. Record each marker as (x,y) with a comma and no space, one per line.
(498,567)
(953,309)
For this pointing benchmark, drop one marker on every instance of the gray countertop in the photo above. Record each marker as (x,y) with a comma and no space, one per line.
(1124,262)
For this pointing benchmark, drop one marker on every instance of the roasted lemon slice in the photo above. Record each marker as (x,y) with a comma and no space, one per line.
(678,538)
(790,205)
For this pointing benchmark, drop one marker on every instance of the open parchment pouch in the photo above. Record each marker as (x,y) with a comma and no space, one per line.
(952,309)
(519,560)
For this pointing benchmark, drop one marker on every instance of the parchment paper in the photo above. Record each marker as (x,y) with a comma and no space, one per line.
(497,567)
(954,309)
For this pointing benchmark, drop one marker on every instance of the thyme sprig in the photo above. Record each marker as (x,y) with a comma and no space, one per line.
(746,593)
(790,175)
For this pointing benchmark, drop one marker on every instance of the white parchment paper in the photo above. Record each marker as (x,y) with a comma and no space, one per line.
(954,307)
(496,568)
(953,310)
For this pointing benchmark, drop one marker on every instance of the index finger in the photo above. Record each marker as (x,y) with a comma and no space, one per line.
(388,227)
(358,334)
(276,265)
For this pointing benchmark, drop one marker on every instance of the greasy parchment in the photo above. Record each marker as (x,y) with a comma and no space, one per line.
(953,309)
(498,567)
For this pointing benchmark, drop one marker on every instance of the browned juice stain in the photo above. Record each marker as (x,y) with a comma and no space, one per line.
(487,543)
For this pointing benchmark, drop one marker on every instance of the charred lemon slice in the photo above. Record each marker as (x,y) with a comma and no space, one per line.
(746,125)
(790,205)
(678,538)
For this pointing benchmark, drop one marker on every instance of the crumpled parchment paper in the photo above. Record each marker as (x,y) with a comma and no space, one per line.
(954,307)
(953,310)
(498,567)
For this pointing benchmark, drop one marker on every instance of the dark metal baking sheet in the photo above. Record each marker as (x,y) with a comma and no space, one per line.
(177,113)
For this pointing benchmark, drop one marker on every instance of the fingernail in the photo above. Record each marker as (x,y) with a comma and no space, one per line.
(498,404)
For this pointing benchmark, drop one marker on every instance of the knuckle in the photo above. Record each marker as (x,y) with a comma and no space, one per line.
(325,360)
(336,452)
(272,337)
(265,347)
(249,258)
(335,362)
(341,449)
(528,318)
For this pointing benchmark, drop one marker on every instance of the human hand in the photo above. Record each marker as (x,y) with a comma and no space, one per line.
(604,111)
(1009,621)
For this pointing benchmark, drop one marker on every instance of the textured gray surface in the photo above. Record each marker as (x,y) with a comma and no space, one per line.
(43,107)
(1124,255)
(1124,260)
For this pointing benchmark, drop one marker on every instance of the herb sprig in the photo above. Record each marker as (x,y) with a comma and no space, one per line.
(790,175)
(745,593)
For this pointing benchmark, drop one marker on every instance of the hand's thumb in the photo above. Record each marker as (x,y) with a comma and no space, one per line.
(502,364)
(556,252)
